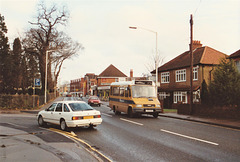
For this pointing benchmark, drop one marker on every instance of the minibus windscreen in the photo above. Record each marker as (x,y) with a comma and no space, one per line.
(143,91)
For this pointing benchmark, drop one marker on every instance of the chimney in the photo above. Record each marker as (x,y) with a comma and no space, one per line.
(196,44)
(131,73)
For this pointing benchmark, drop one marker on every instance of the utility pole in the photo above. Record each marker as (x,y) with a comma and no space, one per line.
(191,65)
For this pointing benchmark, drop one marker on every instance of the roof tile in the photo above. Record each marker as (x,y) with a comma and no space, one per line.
(202,55)
(112,71)
(235,54)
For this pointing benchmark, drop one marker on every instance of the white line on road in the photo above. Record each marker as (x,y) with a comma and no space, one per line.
(131,121)
(193,138)
(106,114)
(17,125)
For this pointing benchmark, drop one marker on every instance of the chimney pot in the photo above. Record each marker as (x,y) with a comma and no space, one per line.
(196,44)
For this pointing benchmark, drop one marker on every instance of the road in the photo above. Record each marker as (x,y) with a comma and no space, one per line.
(145,138)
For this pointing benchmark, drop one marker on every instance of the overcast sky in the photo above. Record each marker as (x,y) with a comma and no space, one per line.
(102,27)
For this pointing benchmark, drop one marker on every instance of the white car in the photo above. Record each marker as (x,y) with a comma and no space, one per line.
(70,114)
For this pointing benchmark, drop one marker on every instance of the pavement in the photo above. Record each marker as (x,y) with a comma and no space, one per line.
(17,145)
(20,146)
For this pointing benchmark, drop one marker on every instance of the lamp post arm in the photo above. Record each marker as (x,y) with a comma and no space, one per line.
(156,61)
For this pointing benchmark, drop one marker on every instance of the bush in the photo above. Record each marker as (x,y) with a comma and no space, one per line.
(225,89)
(204,93)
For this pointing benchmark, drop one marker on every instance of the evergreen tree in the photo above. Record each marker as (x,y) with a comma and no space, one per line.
(204,93)
(225,89)
(5,59)
(17,55)
(24,75)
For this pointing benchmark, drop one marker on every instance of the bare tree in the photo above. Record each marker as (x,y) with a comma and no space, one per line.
(44,36)
(65,49)
(153,60)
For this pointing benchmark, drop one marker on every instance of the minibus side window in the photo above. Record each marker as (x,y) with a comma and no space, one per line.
(121,91)
(126,91)
(115,91)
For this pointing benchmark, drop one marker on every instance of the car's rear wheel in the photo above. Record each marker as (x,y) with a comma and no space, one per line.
(41,122)
(63,125)
(91,126)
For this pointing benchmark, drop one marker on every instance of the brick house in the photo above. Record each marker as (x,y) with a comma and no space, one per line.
(109,75)
(90,84)
(84,86)
(75,86)
(174,76)
(236,57)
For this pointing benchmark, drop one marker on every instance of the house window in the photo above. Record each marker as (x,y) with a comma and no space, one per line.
(180,97)
(165,77)
(181,75)
(163,95)
(195,73)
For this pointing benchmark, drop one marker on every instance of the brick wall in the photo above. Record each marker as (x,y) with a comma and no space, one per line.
(207,111)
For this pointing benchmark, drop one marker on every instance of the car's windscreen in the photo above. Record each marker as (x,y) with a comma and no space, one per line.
(143,91)
(93,98)
(79,106)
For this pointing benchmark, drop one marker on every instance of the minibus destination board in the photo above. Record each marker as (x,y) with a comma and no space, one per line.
(143,82)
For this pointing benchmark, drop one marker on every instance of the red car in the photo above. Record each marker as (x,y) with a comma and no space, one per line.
(94,100)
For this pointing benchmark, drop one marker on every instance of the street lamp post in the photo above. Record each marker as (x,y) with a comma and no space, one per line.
(156,66)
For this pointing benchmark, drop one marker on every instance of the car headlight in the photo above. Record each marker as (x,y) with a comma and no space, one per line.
(158,105)
(138,105)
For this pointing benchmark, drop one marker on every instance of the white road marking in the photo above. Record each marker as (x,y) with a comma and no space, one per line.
(17,125)
(73,134)
(131,121)
(106,114)
(193,138)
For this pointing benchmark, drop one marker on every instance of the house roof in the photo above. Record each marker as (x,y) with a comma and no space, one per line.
(235,54)
(203,55)
(112,71)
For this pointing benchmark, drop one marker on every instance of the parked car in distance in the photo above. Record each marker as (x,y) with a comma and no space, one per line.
(70,114)
(94,100)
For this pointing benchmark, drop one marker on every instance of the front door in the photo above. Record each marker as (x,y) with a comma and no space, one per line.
(57,114)
(48,113)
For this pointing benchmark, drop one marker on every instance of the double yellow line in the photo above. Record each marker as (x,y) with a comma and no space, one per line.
(74,137)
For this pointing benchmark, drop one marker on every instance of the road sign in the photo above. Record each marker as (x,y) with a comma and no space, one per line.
(37,82)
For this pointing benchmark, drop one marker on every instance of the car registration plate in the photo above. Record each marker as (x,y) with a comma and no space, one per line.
(88,117)
(149,110)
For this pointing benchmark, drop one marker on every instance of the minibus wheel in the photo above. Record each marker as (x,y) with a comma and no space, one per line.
(130,112)
(117,112)
(155,115)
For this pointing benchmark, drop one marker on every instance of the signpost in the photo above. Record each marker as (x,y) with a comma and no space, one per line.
(36,83)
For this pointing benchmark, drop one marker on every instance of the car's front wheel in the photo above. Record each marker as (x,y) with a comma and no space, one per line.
(63,125)
(41,122)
